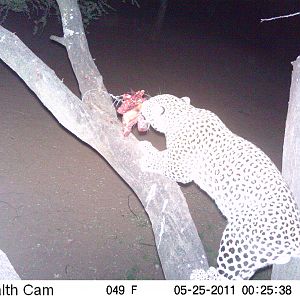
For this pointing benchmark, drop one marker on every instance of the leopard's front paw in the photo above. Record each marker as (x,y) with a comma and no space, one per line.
(146,147)
(210,274)
(145,164)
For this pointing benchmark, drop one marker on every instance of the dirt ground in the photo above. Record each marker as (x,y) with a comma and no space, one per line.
(64,213)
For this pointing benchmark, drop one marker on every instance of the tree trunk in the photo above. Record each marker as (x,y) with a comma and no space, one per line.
(7,271)
(94,121)
(291,164)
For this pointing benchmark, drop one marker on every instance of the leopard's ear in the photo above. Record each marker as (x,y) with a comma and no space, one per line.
(186,100)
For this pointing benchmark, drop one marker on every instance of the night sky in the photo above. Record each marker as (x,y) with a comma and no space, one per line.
(238,20)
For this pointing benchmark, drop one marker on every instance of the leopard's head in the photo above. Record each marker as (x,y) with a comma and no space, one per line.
(163,111)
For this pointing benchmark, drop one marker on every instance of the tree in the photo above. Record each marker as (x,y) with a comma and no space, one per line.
(93,120)
(291,154)
(291,164)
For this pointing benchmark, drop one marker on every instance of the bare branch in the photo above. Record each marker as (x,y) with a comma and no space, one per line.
(280,17)
(87,75)
(94,121)
(58,39)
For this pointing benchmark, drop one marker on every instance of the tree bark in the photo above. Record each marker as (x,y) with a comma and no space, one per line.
(94,121)
(7,271)
(291,164)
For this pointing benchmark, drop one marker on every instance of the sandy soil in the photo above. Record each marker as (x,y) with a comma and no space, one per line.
(64,213)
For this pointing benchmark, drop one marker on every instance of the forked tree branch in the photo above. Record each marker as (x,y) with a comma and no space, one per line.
(94,121)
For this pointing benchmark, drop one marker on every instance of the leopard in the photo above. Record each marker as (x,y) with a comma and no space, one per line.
(263,219)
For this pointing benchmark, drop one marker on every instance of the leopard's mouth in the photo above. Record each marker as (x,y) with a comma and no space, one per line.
(142,124)
(132,117)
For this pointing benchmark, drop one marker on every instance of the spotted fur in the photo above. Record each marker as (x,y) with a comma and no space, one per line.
(263,219)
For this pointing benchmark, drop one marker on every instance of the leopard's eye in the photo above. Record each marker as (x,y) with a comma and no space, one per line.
(162,110)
